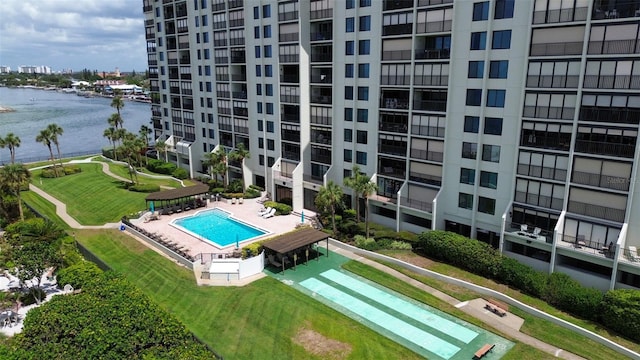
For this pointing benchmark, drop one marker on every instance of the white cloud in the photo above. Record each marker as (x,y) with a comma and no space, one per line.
(93,34)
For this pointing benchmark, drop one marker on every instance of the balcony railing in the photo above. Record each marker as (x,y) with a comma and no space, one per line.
(543,172)
(392,149)
(236,41)
(324,159)
(239,77)
(431,80)
(321,36)
(394,103)
(426,206)
(553,81)
(560,15)
(549,112)
(605,181)
(427,130)
(290,37)
(239,94)
(597,211)
(288,16)
(605,148)
(321,78)
(425,178)
(321,120)
(557,49)
(293,58)
(292,118)
(321,14)
(539,200)
(398,29)
(612,81)
(293,99)
(393,127)
(422,54)
(321,99)
(610,114)
(395,80)
(240,111)
(430,105)
(431,27)
(613,47)
(291,155)
(427,155)
(396,55)
(316,179)
(392,172)
(288,78)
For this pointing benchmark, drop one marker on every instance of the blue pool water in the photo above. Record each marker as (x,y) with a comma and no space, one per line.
(217,227)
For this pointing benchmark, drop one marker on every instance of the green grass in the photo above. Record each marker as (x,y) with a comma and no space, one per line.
(123,171)
(533,326)
(44,207)
(92,197)
(257,321)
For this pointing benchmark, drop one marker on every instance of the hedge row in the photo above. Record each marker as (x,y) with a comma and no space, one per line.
(161,167)
(281,209)
(619,310)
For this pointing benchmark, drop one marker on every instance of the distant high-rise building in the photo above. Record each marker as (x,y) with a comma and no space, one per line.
(512,122)
(30,69)
(5,69)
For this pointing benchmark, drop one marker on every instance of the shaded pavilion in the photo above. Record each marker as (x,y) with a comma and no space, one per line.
(293,245)
(175,200)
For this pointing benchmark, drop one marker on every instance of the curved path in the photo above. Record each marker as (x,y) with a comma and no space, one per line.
(61,208)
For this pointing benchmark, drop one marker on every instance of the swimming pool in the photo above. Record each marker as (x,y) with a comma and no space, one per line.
(217,226)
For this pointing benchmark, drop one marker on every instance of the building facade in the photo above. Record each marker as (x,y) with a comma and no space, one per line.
(512,122)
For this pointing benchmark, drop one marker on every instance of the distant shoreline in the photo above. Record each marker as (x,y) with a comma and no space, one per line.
(4,109)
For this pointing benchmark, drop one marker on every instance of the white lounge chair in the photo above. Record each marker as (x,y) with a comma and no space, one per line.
(536,231)
(271,213)
(240,200)
(524,228)
(233,201)
(264,211)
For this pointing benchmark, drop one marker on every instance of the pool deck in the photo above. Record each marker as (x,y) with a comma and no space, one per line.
(246,212)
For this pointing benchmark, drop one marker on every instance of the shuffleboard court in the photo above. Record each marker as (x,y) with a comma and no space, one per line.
(389,300)
(387,321)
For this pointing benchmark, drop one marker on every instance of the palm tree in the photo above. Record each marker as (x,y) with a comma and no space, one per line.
(363,187)
(118,103)
(239,154)
(129,148)
(110,133)
(144,132)
(162,147)
(45,138)
(217,161)
(330,199)
(11,141)
(115,120)
(13,177)
(56,131)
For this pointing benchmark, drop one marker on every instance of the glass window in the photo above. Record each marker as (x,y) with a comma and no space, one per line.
(486,205)
(261,159)
(256,32)
(365,3)
(348,70)
(267,31)
(489,179)
(478,40)
(270,161)
(348,114)
(270,108)
(491,153)
(467,176)
(501,39)
(267,51)
(269,89)
(363,115)
(481,11)
(260,143)
(495,98)
(498,69)
(349,48)
(364,47)
(471,124)
(361,137)
(348,135)
(465,201)
(493,126)
(469,150)
(348,155)
(361,158)
(259,108)
(271,144)
(350,24)
(258,89)
(476,69)
(348,92)
(256,12)
(474,97)
(268,70)
(350,4)
(270,126)
(266,11)
(504,9)
(364,23)
(257,50)
(258,71)
(363,71)
(363,93)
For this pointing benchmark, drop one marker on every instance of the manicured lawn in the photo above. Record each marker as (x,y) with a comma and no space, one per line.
(122,170)
(44,207)
(257,321)
(536,327)
(92,197)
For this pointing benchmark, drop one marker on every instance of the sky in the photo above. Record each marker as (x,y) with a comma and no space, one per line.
(73,34)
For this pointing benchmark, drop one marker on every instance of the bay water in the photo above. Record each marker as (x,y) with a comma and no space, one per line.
(83,121)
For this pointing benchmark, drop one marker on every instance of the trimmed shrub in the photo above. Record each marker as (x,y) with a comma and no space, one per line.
(251,193)
(180,173)
(144,188)
(78,275)
(256,187)
(620,311)
(251,250)
(70,170)
(514,273)
(161,167)
(366,243)
(235,186)
(281,209)
(569,295)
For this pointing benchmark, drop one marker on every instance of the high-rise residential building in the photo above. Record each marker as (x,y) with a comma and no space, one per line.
(512,122)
